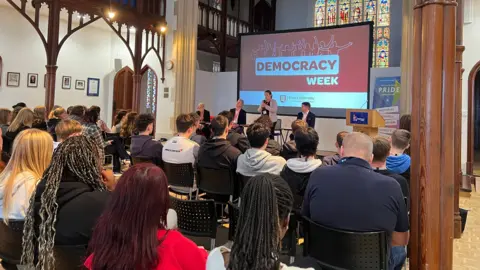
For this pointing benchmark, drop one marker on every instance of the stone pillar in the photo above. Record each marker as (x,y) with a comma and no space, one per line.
(433,132)
(185,46)
(407,58)
(458,118)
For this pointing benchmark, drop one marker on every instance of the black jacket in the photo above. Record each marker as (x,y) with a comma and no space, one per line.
(242,116)
(297,182)
(218,154)
(402,181)
(206,116)
(9,137)
(79,207)
(310,118)
(289,150)
(239,141)
(144,146)
(52,124)
(39,124)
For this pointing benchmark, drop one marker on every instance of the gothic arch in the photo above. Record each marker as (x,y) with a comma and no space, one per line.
(471,117)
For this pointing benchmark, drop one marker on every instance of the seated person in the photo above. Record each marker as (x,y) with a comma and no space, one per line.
(143,145)
(353,178)
(91,130)
(31,155)
(5,119)
(218,153)
(204,114)
(333,160)
(399,162)
(146,240)
(100,123)
(58,115)
(239,117)
(381,150)
(21,122)
(39,115)
(256,160)
(289,149)
(68,200)
(236,139)
(298,170)
(259,231)
(128,128)
(180,149)
(66,129)
(197,136)
(120,119)
(306,115)
(273,146)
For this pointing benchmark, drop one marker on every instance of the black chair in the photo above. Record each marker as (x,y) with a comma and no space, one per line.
(196,218)
(11,243)
(69,257)
(337,249)
(242,181)
(138,160)
(234,214)
(180,176)
(216,181)
(278,132)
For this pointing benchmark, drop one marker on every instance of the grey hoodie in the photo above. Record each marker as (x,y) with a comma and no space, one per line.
(256,161)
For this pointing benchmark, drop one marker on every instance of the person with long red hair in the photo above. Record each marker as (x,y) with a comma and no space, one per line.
(132,232)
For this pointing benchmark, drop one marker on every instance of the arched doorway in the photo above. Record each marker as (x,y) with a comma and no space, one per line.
(473,142)
(123,91)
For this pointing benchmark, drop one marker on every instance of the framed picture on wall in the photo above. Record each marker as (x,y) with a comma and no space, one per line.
(93,87)
(32,80)
(66,82)
(13,79)
(80,85)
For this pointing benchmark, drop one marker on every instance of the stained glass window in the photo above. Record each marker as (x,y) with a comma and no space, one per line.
(338,12)
(151,102)
(217,4)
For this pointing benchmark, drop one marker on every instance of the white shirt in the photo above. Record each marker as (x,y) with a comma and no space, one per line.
(237,113)
(179,150)
(23,187)
(305,116)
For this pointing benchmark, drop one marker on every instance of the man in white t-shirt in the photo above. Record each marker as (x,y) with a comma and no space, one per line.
(180,149)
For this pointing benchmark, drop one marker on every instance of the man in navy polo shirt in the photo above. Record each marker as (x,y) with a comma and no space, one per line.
(351,196)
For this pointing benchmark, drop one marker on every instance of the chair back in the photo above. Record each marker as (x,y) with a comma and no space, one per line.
(138,160)
(233,215)
(11,241)
(278,124)
(337,249)
(216,181)
(179,175)
(242,181)
(69,257)
(196,218)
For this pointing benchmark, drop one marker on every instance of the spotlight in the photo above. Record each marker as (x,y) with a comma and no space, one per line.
(163,29)
(111,14)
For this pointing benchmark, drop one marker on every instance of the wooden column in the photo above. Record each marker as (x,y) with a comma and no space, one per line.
(433,131)
(137,70)
(223,41)
(458,118)
(52,52)
(274,14)
(251,14)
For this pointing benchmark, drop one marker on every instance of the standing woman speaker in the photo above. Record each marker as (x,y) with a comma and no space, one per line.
(269,107)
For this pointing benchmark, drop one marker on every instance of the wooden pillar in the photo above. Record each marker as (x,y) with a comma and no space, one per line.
(458,118)
(223,41)
(274,14)
(137,69)
(52,52)
(433,131)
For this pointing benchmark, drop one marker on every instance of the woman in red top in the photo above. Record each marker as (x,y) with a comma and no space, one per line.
(132,234)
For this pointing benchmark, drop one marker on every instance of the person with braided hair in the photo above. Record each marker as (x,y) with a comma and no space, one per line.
(264,216)
(67,202)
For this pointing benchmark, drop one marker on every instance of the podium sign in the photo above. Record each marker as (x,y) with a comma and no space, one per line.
(365,121)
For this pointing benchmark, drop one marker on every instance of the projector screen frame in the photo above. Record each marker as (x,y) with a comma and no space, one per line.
(370,56)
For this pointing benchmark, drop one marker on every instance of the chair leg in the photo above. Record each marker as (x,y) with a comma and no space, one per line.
(212,244)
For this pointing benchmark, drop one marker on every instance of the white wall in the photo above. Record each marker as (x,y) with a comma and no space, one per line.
(294,14)
(471,40)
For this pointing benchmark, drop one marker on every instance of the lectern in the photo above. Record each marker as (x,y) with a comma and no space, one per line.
(365,121)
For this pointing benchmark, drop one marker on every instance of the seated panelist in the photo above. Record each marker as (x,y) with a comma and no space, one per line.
(306,115)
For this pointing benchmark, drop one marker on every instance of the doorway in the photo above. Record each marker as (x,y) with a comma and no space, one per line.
(123,91)
(476,112)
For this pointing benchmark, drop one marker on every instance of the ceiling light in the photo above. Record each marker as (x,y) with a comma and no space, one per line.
(163,29)
(111,14)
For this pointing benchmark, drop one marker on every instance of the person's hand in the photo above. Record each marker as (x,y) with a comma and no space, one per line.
(110,142)
(108,179)
(263,104)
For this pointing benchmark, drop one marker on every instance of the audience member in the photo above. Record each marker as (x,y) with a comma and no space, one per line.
(5,119)
(273,146)
(57,115)
(136,235)
(50,114)
(306,115)
(67,202)
(334,159)
(120,118)
(91,130)
(66,129)
(69,109)
(204,114)
(39,115)
(143,145)
(77,113)
(239,114)
(180,149)
(263,221)
(100,123)
(15,112)
(19,106)
(289,149)
(369,201)
(197,136)
(236,139)
(128,127)
(3,155)
(269,107)
(31,155)
(218,153)
(405,123)
(381,150)
(23,121)
(256,160)
(399,162)
(297,171)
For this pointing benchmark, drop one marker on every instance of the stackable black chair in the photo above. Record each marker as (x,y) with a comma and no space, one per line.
(11,243)
(69,257)
(242,181)
(337,249)
(196,218)
(181,178)
(234,214)
(216,181)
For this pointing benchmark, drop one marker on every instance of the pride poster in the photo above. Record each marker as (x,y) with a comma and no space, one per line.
(386,100)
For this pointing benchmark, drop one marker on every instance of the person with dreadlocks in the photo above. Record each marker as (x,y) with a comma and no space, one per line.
(264,216)
(66,203)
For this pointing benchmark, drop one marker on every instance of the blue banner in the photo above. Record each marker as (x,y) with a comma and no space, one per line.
(386,99)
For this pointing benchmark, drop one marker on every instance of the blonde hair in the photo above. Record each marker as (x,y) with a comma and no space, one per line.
(24,117)
(66,128)
(4,113)
(51,114)
(32,152)
(39,112)
(56,113)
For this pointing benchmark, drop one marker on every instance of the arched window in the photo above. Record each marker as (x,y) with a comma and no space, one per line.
(338,12)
